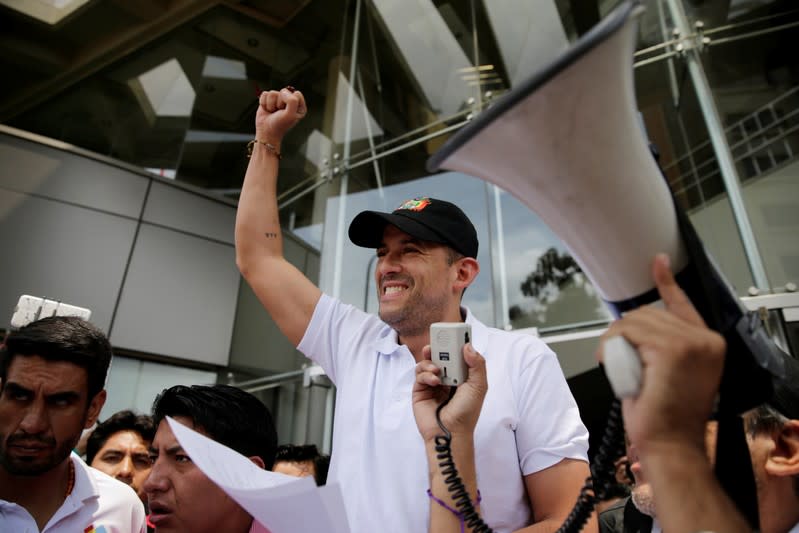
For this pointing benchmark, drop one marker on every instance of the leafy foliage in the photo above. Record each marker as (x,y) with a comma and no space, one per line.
(552,272)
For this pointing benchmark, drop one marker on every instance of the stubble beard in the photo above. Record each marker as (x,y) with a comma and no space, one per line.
(29,467)
(414,318)
(643,499)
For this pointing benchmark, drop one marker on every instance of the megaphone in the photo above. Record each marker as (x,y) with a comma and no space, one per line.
(568,144)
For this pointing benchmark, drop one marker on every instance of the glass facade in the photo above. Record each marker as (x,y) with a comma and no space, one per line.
(173,90)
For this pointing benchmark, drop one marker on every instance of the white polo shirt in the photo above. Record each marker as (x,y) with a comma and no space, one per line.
(529,420)
(98,503)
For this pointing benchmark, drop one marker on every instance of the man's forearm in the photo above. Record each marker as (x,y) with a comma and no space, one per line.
(441,519)
(689,498)
(257,219)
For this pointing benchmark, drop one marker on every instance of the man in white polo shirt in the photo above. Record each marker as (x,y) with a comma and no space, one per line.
(530,443)
(53,371)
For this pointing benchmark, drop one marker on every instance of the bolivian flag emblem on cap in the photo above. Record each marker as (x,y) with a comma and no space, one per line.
(417,204)
(93,529)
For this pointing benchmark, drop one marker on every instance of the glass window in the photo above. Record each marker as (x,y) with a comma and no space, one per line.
(546,287)
(753,77)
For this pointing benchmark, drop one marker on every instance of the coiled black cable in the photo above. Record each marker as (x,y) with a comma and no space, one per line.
(453,481)
(603,476)
(596,487)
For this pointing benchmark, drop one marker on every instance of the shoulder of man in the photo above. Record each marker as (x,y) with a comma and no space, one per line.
(111,492)
(611,520)
(522,344)
(116,501)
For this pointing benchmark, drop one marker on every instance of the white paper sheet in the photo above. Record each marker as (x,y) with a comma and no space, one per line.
(284,504)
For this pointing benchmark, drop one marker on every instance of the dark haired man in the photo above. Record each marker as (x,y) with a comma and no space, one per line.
(530,446)
(180,496)
(298,460)
(119,446)
(772,432)
(53,372)
(773,438)
(682,362)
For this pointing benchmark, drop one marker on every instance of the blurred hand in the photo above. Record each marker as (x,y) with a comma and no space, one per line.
(278,112)
(460,415)
(682,361)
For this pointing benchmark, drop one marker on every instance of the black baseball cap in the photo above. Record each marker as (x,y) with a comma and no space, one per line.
(427,219)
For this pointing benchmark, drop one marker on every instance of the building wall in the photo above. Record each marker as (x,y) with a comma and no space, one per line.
(153,260)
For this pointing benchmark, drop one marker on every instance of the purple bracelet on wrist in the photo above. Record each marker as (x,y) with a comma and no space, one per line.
(458,514)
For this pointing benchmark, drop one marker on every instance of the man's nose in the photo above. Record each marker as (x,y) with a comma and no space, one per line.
(125,470)
(388,263)
(35,419)
(156,480)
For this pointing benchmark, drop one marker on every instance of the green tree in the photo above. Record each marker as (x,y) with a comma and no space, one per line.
(552,271)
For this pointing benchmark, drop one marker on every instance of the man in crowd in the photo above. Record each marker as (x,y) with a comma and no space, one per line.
(297,460)
(530,444)
(53,372)
(682,362)
(180,496)
(773,437)
(119,446)
(636,513)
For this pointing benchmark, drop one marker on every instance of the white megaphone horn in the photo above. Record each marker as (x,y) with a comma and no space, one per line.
(568,144)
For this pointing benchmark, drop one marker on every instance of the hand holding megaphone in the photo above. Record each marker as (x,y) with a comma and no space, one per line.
(675,353)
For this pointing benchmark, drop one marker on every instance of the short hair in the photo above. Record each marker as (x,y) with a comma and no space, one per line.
(322,465)
(125,420)
(227,414)
(764,419)
(453,255)
(296,453)
(62,338)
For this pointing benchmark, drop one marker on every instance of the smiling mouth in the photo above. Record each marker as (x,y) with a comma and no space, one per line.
(394,289)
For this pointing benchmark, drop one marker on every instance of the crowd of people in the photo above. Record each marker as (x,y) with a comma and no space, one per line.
(513,447)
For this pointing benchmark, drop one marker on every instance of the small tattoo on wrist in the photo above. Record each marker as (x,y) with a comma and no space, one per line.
(270,235)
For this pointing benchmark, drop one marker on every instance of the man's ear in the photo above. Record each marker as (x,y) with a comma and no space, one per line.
(467,270)
(783,459)
(258,461)
(95,406)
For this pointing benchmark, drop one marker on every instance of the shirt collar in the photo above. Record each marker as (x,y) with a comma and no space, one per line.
(479,331)
(387,342)
(85,485)
(85,488)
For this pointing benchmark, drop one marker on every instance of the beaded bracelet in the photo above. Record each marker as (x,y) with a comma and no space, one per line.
(458,514)
(269,148)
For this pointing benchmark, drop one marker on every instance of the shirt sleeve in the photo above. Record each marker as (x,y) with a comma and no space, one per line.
(549,428)
(334,335)
(139,519)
